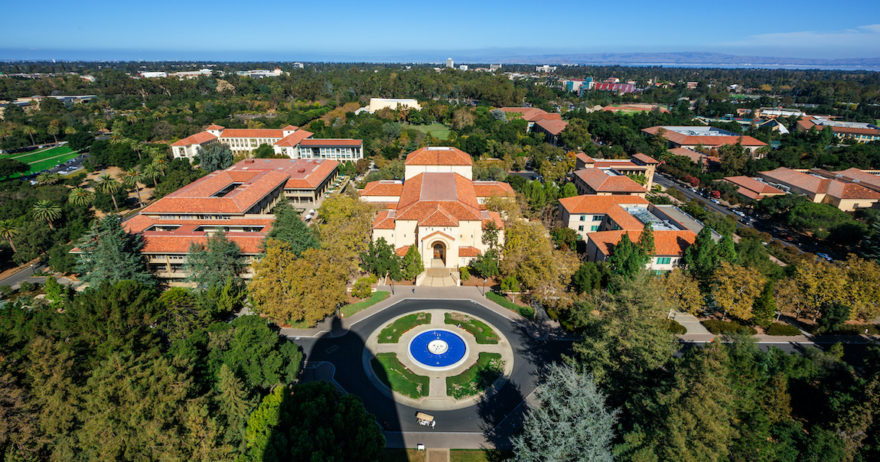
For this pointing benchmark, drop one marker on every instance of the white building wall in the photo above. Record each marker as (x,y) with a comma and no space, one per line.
(413,170)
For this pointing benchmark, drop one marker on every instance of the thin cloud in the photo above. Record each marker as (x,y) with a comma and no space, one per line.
(867,36)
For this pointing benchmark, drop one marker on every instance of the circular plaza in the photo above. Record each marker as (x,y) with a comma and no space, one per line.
(437,359)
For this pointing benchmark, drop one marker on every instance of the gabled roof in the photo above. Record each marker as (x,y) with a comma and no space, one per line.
(252,133)
(666,243)
(752,188)
(552,126)
(439,233)
(178,241)
(706,140)
(493,188)
(294,138)
(438,155)
(199,197)
(215,127)
(301,173)
(584,158)
(592,205)
(695,157)
(860,176)
(815,184)
(383,188)
(198,138)
(645,159)
(601,182)
(290,127)
(468,251)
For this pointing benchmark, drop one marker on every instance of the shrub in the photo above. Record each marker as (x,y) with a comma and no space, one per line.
(6,291)
(510,284)
(778,328)
(674,327)
(363,286)
(27,286)
(465,273)
(717,326)
(527,312)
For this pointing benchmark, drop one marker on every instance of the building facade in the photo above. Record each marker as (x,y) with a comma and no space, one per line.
(705,136)
(438,208)
(290,141)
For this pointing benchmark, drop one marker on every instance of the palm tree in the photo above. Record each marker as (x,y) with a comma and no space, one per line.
(7,232)
(130,179)
(152,172)
(107,185)
(47,211)
(48,178)
(80,196)
(30,131)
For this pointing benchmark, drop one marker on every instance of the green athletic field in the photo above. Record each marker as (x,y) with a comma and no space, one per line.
(437,130)
(44,159)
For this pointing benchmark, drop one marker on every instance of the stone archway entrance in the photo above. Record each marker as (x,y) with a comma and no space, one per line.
(439,258)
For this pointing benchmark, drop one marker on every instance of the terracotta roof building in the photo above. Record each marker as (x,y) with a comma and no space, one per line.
(753,188)
(290,141)
(639,165)
(438,208)
(696,157)
(859,132)
(602,220)
(238,201)
(551,124)
(710,137)
(838,191)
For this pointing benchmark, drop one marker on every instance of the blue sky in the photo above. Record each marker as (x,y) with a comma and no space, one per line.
(336,29)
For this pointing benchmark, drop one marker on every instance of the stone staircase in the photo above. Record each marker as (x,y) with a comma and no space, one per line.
(438,277)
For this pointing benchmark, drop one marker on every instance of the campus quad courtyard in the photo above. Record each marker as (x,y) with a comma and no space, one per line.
(468,365)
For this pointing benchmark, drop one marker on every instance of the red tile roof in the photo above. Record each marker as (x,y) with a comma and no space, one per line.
(331,142)
(198,138)
(493,188)
(435,233)
(644,158)
(302,173)
(666,243)
(196,197)
(753,188)
(215,127)
(437,155)
(815,184)
(383,188)
(384,220)
(294,138)
(706,140)
(252,133)
(290,127)
(589,204)
(860,176)
(401,251)
(468,251)
(552,126)
(532,114)
(178,241)
(584,158)
(694,156)
(601,182)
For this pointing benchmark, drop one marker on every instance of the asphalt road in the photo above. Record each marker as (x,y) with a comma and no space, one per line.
(530,353)
(23,275)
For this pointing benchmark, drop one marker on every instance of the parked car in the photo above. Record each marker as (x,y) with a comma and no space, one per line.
(824,256)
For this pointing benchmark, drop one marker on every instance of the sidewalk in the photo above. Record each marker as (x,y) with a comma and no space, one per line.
(697,333)
(400,293)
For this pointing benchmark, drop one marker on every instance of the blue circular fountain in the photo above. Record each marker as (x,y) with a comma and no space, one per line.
(438,349)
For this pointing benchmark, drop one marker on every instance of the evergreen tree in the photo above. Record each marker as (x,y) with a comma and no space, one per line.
(233,403)
(587,278)
(412,265)
(570,423)
(627,259)
(290,228)
(727,249)
(215,156)
(213,265)
(261,424)
(701,258)
(110,254)
(486,264)
(765,306)
(568,190)
(646,240)
(380,259)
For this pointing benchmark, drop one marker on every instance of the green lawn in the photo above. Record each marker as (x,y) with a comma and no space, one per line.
(45,159)
(478,455)
(49,163)
(436,129)
(393,373)
(353,308)
(525,311)
(392,333)
(489,367)
(33,156)
(479,329)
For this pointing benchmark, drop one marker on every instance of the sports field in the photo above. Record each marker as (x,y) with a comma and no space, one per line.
(43,159)
(437,130)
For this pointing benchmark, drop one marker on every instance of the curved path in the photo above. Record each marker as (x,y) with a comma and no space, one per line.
(344,350)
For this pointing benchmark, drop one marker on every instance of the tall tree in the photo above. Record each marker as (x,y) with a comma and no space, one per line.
(215,156)
(107,185)
(701,258)
(131,179)
(570,423)
(765,306)
(233,403)
(7,232)
(290,228)
(47,211)
(381,260)
(412,264)
(628,259)
(109,253)
(736,288)
(646,240)
(214,264)
(80,197)
(683,292)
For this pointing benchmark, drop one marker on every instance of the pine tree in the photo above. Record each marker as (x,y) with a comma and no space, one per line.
(213,265)
(215,156)
(261,424)
(571,422)
(727,249)
(412,264)
(380,259)
(233,404)
(701,258)
(627,259)
(290,228)
(765,306)
(110,254)
(646,240)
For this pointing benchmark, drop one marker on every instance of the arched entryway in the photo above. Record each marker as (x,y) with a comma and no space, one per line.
(439,254)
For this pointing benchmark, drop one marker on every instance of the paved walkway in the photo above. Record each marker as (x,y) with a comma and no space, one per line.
(697,333)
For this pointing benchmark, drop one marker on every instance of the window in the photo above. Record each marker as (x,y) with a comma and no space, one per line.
(594,228)
(581,228)
(664,260)
(583,217)
(597,217)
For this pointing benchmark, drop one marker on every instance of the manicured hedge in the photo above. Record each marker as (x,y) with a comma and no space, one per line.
(778,328)
(716,326)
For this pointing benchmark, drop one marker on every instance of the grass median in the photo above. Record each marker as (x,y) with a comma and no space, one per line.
(392,332)
(479,329)
(524,311)
(353,308)
(476,378)
(393,373)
